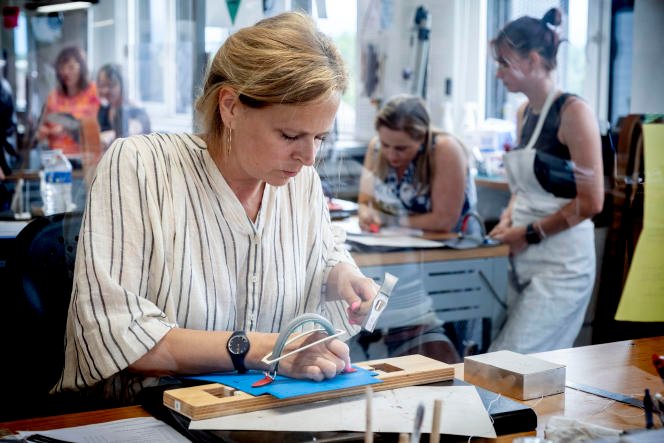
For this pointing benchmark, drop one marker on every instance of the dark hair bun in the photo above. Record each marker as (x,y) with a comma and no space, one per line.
(553,17)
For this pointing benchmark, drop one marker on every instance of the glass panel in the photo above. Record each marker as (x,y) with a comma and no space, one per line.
(340,24)
(151,45)
(184,55)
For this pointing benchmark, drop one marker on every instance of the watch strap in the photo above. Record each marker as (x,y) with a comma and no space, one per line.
(532,236)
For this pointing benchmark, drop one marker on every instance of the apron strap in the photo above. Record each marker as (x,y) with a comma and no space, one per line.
(540,119)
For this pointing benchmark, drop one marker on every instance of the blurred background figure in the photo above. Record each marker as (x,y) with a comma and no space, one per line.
(7,126)
(117,117)
(414,175)
(74,99)
(8,154)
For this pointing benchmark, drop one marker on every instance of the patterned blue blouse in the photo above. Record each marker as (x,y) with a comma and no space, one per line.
(406,196)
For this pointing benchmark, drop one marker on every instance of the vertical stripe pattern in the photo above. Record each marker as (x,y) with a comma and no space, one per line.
(165,243)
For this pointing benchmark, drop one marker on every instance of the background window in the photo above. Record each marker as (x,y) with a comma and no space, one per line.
(339,21)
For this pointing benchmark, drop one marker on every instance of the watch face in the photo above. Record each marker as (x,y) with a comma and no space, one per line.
(238,344)
(532,236)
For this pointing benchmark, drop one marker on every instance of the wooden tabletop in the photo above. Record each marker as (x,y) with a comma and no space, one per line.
(622,367)
(497,183)
(77,419)
(428,255)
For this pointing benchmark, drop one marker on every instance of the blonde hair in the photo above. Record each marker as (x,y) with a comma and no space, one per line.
(280,60)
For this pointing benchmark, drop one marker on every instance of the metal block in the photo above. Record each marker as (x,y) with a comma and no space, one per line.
(515,375)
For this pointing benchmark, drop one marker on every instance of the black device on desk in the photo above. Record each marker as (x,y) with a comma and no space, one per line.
(341,209)
(509,417)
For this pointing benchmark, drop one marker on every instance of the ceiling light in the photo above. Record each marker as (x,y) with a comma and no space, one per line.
(61,7)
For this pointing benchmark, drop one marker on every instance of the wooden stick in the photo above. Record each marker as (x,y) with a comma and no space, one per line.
(404,438)
(368,432)
(435,425)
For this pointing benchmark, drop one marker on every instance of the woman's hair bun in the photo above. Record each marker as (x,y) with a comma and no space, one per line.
(553,17)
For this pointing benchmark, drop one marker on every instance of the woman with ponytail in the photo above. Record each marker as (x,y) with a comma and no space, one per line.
(556,181)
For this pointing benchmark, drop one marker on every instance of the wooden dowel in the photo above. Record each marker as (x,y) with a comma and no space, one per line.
(368,432)
(404,438)
(435,425)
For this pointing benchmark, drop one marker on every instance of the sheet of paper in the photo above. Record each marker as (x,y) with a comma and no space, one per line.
(642,296)
(391,237)
(393,411)
(394,241)
(136,430)
(352,228)
(342,205)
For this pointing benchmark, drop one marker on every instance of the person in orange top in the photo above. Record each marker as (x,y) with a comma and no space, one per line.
(75,98)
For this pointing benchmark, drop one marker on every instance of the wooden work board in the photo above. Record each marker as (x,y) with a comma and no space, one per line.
(217,400)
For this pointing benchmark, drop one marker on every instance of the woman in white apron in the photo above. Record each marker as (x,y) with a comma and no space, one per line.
(556,181)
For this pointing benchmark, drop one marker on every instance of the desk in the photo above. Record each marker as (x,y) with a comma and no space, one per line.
(583,366)
(77,419)
(457,280)
(622,367)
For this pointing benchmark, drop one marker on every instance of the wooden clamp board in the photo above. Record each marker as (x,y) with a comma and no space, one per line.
(217,400)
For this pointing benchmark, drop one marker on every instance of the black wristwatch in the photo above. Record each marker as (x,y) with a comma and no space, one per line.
(238,347)
(532,236)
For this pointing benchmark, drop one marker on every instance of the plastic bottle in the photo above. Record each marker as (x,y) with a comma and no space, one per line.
(448,108)
(55,183)
(470,138)
(448,122)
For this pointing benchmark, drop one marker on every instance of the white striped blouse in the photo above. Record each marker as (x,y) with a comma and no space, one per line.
(165,243)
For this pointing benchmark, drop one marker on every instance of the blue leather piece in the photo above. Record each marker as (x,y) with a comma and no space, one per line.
(286,387)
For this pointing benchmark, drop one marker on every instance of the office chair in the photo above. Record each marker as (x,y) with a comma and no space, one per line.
(40,275)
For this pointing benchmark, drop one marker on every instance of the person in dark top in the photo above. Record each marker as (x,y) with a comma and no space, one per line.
(556,181)
(7,135)
(7,127)
(117,117)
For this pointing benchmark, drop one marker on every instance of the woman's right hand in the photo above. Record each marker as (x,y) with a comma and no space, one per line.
(322,361)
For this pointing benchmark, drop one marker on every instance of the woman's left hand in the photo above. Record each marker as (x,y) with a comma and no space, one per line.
(321,361)
(514,236)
